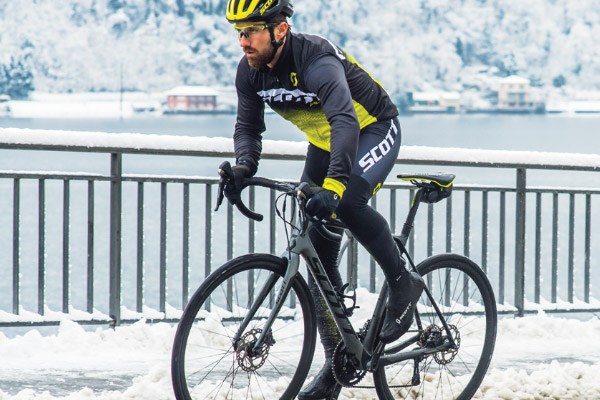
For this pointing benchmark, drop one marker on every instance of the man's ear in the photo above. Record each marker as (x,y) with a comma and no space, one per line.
(282,30)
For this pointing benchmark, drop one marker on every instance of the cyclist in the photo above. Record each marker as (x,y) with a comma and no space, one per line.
(354,138)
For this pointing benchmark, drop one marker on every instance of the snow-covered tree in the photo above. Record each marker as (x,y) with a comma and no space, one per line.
(16,79)
(81,45)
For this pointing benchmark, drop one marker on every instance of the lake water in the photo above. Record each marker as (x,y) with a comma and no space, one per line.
(573,134)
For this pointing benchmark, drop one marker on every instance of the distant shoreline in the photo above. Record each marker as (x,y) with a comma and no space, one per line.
(140,104)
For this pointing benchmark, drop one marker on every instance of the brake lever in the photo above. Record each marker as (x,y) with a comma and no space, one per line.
(226,174)
(220,193)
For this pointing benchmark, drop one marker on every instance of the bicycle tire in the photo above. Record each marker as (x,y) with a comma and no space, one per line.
(205,364)
(448,375)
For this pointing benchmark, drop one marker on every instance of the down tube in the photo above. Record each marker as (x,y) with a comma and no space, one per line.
(351,340)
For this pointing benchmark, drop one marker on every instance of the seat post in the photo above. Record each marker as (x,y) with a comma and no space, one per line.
(410,218)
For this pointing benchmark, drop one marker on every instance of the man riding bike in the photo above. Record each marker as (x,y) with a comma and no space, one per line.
(354,138)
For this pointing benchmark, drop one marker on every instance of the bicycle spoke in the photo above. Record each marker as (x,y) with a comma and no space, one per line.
(221,368)
(456,285)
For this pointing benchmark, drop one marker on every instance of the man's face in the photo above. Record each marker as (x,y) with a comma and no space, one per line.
(255,41)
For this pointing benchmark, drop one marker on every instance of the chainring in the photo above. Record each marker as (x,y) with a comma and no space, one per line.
(344,367)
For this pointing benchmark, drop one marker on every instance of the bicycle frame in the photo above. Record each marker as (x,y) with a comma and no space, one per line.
(277,316)
(369,352)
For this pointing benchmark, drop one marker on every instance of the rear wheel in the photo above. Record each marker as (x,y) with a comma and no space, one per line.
(466,301)
(213,359)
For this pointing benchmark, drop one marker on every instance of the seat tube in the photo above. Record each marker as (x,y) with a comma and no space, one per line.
(410,218)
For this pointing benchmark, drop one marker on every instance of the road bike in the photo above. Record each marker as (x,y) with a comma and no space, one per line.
(249,331)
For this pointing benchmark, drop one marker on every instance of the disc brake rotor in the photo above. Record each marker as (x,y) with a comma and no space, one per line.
(247,358)
(447,356)
(434,336)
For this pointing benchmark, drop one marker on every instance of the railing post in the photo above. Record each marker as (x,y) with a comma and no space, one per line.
(16,246)
(139,298)
(162,286)
(185,280)
(41,245)
(65,245)
(520,241)
(208,235)
(90,248)
(116,171)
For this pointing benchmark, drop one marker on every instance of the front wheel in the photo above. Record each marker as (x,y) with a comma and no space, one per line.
(466,301)
(214,358)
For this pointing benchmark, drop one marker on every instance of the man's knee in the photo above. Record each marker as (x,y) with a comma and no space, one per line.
(355,198)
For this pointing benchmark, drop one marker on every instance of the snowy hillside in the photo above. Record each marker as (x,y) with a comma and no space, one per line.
(98,45)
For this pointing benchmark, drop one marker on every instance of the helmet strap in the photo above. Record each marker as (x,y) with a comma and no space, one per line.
(274,42)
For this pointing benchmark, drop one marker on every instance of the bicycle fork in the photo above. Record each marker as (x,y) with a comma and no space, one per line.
(291,271)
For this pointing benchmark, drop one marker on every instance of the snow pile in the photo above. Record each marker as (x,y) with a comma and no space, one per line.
(536,357)
(547,381)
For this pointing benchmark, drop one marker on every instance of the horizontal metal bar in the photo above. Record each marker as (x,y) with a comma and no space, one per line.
(212,180)
(223,148)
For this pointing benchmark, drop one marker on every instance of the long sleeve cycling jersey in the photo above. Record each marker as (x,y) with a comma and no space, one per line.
(319,88)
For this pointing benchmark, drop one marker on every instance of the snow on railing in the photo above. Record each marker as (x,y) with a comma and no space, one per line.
(276,149)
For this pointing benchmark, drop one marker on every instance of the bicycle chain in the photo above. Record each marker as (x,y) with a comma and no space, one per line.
(344,370)
(340,351)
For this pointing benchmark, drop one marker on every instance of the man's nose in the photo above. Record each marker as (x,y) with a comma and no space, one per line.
(244,41)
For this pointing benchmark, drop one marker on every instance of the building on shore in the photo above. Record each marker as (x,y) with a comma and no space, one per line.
(190,100)
(515,96)
(434,102)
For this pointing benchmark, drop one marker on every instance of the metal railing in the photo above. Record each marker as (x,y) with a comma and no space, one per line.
(122,246)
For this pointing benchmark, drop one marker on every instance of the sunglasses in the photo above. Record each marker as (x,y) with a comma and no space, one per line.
(249,30)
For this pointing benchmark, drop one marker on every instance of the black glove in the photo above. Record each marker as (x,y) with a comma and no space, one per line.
(234,186)
(322,204)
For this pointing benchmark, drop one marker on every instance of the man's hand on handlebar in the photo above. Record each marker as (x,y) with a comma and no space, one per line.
(319,203)
(233,181)
(234,178)
(322,204)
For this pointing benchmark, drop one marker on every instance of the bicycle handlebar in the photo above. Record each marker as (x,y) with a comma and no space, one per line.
(226,174)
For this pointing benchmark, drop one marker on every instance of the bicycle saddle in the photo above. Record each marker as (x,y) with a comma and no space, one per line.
(440,179)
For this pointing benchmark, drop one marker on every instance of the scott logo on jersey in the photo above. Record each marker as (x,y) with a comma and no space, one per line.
(281,95)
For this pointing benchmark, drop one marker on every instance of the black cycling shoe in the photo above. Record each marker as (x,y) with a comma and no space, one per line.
(402,300)
(323,386)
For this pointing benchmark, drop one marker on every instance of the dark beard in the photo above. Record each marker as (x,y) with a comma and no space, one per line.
(262,59)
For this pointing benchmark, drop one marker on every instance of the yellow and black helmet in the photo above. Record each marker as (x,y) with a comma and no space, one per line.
(257,10)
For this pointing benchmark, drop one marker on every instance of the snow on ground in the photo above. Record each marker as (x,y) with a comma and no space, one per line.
(536,357)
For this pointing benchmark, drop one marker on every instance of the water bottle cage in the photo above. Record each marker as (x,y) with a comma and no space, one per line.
(341,298)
